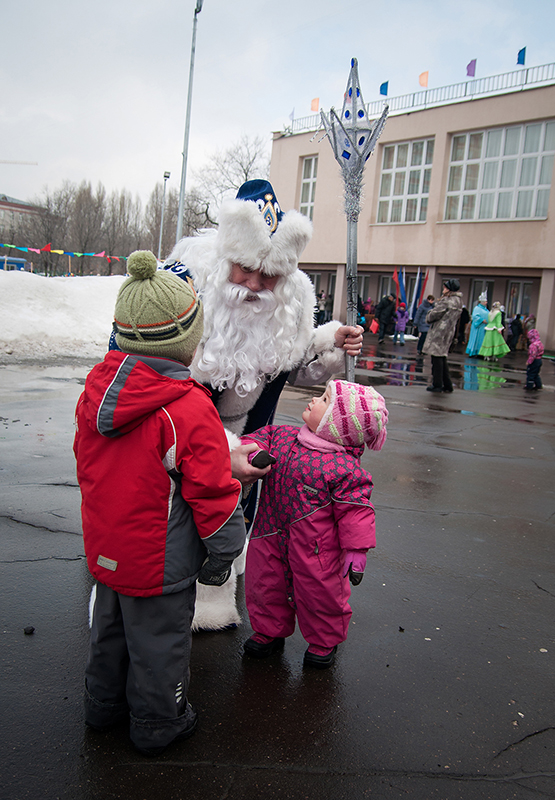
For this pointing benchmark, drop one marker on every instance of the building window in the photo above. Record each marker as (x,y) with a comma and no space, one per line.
(518,298)
(364,283)
(308,186)
(387,286)
(479,286)
(503,173)
(405,181)
(315,278)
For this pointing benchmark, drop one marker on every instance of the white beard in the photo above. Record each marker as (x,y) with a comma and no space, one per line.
(246,337)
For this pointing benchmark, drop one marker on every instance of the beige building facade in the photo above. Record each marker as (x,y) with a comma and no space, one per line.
(460,191)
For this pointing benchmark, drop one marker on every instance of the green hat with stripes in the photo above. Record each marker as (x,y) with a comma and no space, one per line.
(157,313)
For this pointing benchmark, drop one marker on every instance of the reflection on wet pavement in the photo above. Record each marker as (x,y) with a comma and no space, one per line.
(385,365)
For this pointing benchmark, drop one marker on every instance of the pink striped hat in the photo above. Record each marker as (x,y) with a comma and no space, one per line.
(355,416)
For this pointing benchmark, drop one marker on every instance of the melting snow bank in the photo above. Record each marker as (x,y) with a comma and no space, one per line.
(56,316)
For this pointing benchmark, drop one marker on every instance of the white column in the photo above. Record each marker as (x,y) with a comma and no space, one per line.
(545,318)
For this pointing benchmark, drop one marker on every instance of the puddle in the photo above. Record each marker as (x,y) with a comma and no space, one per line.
(438,407)
(408,369)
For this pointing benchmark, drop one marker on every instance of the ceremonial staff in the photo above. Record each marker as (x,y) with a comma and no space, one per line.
(353,138)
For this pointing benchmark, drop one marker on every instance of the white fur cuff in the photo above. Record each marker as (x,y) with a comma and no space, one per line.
(232,439)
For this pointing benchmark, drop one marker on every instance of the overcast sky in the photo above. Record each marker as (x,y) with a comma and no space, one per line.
(97,91)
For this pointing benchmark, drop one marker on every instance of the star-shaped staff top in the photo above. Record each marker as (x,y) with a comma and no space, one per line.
(352,136)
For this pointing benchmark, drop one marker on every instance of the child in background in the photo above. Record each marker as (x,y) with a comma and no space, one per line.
(315,523)
(534,362)
(159,506)
(401,318)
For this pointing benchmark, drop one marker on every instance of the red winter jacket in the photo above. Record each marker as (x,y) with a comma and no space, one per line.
(155,476)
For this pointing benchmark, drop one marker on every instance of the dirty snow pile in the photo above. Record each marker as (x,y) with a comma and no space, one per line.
(56,316)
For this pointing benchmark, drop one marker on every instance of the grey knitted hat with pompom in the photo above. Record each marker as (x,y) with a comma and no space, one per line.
(157,313)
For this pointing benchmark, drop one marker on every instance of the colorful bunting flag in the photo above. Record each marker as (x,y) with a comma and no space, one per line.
(48,249)
(384,88)
(423,79)
(521,57)
(315,104)
(471,68)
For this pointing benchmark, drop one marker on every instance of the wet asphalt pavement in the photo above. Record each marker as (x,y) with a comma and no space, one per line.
(444,688)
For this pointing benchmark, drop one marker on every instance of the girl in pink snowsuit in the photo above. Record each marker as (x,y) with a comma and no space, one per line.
(314,524)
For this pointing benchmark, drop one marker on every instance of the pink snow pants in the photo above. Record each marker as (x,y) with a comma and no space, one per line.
(297,575)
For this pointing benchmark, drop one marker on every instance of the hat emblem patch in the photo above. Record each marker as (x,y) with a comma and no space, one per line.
(270,211)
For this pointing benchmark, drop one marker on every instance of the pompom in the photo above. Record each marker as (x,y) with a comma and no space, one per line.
(142,264)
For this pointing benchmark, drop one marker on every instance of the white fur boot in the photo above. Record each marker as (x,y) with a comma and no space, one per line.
(215,606)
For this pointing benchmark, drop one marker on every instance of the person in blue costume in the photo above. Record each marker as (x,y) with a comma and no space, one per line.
(259,331)
(480,317)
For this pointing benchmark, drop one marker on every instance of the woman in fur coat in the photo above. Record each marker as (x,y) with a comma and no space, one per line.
(443,320)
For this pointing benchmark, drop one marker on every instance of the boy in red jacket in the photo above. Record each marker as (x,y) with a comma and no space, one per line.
(159,508)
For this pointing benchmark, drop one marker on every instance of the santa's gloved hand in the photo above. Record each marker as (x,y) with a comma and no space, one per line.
(215,571)
(354,565)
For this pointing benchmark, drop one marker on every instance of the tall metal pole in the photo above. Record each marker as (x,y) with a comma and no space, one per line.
(198,9)
(166,176)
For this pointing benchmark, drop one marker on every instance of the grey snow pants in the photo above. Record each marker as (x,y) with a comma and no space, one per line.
(138,664)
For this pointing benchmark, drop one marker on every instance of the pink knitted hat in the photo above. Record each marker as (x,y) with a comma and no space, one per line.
(355,416)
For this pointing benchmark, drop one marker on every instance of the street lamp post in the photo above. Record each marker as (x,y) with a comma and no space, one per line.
(353,138)
(166,176)
(198,9)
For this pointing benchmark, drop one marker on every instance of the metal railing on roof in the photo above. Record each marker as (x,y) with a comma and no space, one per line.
(524,78)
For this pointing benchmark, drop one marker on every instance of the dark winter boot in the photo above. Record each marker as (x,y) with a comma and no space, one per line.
(319,657)
(260,646)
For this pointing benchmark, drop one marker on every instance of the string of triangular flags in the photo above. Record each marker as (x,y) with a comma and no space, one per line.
(49,249)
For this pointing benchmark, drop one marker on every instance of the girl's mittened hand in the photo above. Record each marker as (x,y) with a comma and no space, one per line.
(354,565)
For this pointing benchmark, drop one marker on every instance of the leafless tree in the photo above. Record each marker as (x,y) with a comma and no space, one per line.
(48,226)
(195,217)
(78,220)
(153,218)
(86,224)
(227,170)
(123,229)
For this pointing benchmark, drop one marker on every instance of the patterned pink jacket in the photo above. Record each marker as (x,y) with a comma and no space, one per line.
(535,347)
(326,492)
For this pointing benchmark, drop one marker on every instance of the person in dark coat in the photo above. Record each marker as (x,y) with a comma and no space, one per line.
(384,314)
(443,320)
(420,323)
(516,332)
(464,319)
